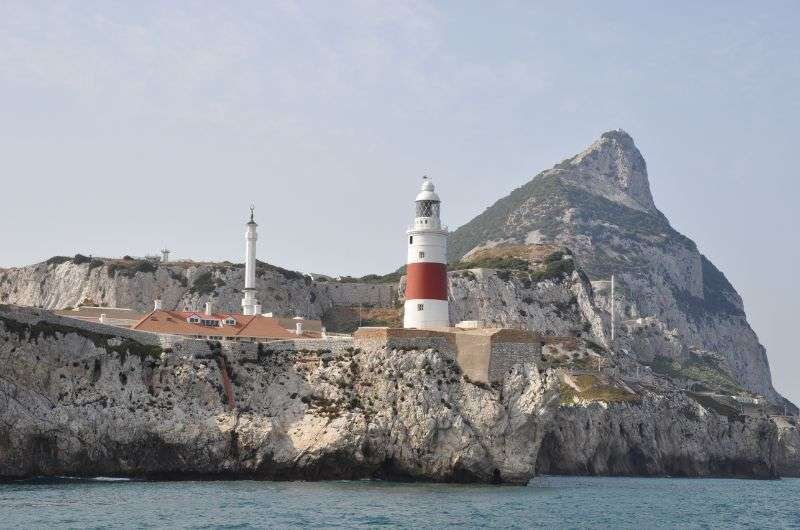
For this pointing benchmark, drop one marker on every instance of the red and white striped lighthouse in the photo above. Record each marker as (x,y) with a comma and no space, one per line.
(426,266)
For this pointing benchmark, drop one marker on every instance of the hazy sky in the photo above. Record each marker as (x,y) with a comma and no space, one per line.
(126,126)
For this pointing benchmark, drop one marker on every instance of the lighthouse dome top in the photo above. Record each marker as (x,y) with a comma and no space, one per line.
(427,192)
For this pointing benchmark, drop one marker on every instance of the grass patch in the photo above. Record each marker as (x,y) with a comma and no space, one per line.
(502,263)
(702,368)
(710,403)
(590,388)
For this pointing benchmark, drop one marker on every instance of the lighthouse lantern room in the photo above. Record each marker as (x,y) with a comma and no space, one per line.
(426,265)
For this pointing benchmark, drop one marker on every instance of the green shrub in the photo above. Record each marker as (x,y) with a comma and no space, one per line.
(554,268)
(129,267)
(57,260)
(286,273)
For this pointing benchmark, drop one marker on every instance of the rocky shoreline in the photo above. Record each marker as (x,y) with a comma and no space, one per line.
(71,407)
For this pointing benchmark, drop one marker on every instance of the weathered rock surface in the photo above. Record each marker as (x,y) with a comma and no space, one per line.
(598,204)
(561,305)
(64,282)
(663,434)
(79,403)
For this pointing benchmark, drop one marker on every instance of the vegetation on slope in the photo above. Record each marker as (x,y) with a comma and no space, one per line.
(540,262)
(589,387)
(704,369)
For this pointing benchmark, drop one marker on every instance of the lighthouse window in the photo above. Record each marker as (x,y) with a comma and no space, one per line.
(410,240)
(420,307)
(427,208)
(421,255)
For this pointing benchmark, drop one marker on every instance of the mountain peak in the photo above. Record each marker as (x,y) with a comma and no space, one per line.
(611,167)
(619,134)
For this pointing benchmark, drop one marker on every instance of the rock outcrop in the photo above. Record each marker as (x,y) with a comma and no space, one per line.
(62,282)
(660,434)
(598,204)
(82,402)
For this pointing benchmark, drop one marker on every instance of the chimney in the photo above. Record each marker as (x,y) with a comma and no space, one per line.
(157,304)
(208,308)
(298,325)
(102,318)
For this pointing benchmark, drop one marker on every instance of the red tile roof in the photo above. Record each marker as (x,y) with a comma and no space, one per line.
(249,326)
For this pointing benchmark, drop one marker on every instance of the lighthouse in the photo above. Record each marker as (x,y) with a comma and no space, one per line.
(250,305)
(426,264)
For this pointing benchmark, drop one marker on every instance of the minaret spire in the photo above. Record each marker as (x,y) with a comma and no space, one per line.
(250,305)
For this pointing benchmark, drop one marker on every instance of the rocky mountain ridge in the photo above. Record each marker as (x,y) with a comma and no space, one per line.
(599,205)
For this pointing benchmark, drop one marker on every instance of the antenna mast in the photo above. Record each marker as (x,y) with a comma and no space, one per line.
(612,310)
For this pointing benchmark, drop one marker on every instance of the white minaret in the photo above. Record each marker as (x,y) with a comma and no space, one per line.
(426,265)
(249,302)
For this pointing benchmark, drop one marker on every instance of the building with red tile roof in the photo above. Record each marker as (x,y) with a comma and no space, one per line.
(219,326)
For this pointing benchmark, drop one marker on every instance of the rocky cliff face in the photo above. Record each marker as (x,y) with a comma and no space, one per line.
(77,402)
(561,304)
(64,282)
(598,204)
(661,434)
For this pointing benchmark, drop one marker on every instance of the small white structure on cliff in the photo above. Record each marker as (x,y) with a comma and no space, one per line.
(250,305)
(426,266)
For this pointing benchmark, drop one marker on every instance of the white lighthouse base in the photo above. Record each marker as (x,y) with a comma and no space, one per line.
(426,314)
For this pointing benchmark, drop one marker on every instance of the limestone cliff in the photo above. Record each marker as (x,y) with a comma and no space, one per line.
(662,434)
(98,401)
(62,282)
(599,205)
(86,399)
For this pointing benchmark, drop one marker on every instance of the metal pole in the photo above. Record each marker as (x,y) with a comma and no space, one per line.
(612,308)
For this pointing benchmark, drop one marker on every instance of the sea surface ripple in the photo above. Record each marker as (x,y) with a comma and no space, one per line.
(552,502)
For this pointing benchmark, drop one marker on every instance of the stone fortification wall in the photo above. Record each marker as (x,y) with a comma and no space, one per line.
(507,354)
(484,356)
(352,294)
(335,345)
(404,339)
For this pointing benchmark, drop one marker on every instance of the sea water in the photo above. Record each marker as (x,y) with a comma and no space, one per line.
(557,502)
